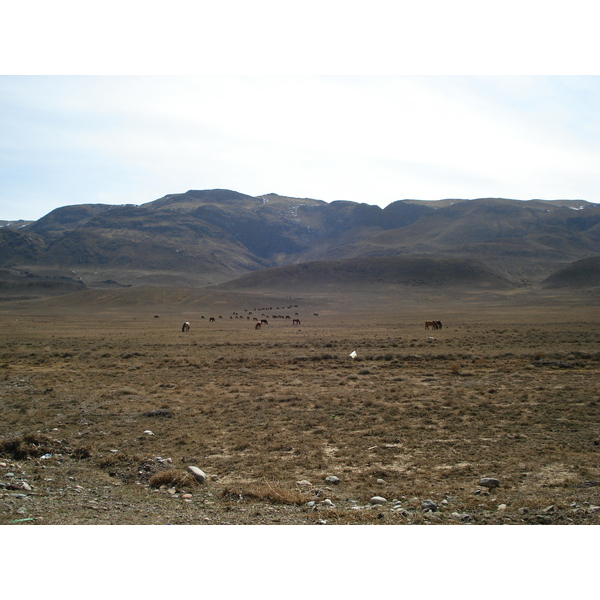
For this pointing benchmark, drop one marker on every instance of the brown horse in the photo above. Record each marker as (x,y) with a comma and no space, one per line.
(185,326)
(258,325)
(432,324)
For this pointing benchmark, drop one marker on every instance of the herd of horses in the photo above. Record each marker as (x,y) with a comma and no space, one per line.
(259,323)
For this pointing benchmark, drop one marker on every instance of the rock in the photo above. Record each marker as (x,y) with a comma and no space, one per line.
(502,507)
(544,519)
(187,496)
(332,479)
(381,482)
(304,483)
(147,432)
(429,505)
(328,502)
(378,500)
(489,482)
(25,486)
(198,474)
(462,517)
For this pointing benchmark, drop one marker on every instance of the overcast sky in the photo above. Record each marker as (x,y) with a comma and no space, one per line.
(375,138)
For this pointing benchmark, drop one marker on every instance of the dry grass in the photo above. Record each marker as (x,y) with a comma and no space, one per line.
(110,395)
(172,478)
(264,492)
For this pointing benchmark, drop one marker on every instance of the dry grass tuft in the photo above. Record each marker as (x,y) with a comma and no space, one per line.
(172,478)
(264,492)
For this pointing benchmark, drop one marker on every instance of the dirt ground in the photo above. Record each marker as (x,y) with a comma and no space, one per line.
(106,402)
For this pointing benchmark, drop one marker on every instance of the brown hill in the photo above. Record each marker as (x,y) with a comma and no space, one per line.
(368,272)
(19,285)
(583,273)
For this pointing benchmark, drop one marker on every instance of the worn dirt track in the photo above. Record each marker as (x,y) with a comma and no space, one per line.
(509,388)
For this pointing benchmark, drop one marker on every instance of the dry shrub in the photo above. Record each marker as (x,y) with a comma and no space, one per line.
(35,445)
(172,478)
(264,492)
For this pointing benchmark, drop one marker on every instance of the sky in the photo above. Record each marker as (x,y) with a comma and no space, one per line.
(256,118)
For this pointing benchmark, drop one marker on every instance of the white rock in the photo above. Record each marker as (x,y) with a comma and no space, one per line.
(378,500)
(332,479)
(502,507)
(304,483)
(381,481)
(148,432)
(198,474)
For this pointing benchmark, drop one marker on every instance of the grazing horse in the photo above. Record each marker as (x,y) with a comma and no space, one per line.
(185,326)
(211,319)
(258,325)
(296,322)
(439,324)
(264,321)
(432,324)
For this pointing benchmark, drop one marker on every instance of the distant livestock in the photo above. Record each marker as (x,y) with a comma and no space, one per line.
(433,324)
(185,327)
(296,322)
(211,319)
(258,325)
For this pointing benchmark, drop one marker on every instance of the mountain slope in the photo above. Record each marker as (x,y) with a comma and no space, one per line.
(204,237)
(361,272)
(583,273)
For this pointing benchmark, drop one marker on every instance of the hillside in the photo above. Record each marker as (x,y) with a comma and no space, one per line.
(207,237)
(371,272)
(583,273)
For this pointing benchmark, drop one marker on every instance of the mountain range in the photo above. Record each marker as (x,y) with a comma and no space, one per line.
(205,237)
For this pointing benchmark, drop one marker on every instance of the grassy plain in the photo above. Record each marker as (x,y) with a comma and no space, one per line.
(508,389)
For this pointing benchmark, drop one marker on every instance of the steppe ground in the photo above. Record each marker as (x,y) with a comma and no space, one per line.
(105,402)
